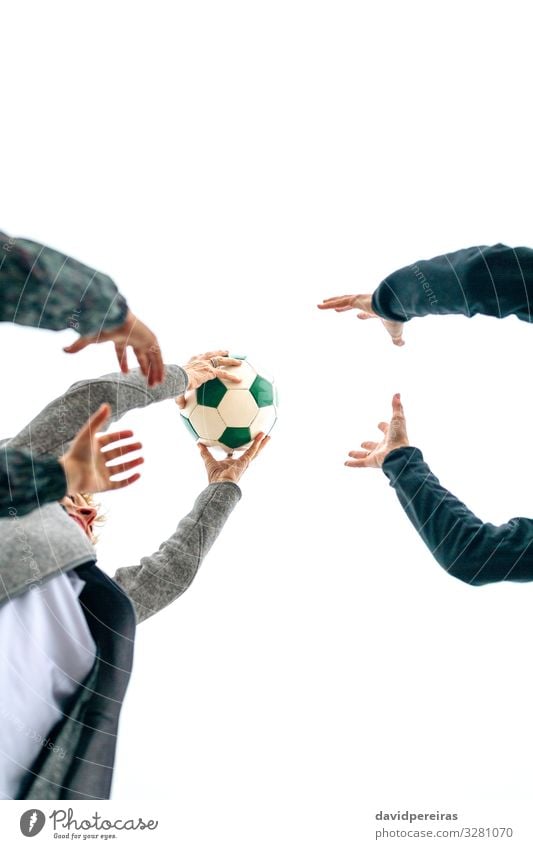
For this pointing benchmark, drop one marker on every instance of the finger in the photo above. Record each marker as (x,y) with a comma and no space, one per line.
(144,363)
(343,309)
(209,354)
(157,366)
(206,454)
(79,344)
(398,341)
(357,464)
(123,483)
(225,375)
(262,444)
(370,446)
(365,315)
(114,437)
(181,402)
(252,451)
(95,422)
(383,426)
(397,406)
(336,303)
(122,356)
(335,298)
(120,452)
(358,455)
(118,468)
(229,361)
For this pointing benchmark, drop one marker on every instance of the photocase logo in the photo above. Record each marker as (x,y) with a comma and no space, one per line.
(32,822)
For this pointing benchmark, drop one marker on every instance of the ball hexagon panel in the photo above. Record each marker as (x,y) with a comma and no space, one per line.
(264,421)
(245,371)
(237,408)
(210,394)
(207,423)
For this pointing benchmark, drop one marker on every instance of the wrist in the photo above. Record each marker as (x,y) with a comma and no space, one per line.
(72,476)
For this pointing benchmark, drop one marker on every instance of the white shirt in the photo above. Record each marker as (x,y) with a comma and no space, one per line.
(46,650)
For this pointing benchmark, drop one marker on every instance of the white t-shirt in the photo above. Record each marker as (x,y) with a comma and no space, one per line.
(46,650)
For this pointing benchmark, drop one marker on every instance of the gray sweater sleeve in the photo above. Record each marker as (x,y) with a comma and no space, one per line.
(162,577)
(53,428)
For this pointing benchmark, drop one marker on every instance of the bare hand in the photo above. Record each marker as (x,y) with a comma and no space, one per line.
(86,464)
(135,334)
(343,303)
(395,436)
(204,367)
(232,469)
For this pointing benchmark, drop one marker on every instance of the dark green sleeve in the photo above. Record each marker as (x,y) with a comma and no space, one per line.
(496,281)
(42,287)
(27,482)
(474,551)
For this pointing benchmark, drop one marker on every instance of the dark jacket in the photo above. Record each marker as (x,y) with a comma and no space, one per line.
(44,288)
(474,551)
(496,281)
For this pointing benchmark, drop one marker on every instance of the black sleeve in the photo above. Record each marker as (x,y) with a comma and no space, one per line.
(28,482)
(474,551)
(496,281)
(42,287)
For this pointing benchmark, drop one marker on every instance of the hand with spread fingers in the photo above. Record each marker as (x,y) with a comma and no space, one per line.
(231,469)
(86,464)
(133,333)
(343,303)
(394,436)
(204,367)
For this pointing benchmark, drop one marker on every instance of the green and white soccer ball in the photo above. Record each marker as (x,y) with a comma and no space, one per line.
(228,415)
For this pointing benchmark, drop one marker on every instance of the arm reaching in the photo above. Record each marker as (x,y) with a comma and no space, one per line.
(42,287)
(53,428)
(27,478)
(476,552)
(496,281)
(162,577)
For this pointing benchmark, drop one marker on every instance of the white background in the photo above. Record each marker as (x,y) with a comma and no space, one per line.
(230,165)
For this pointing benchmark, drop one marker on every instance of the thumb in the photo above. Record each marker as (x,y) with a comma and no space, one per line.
(180,401)
(78,345)
(397,406)
(95,422)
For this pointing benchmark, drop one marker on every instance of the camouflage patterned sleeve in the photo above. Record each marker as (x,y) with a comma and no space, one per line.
(26,482)
(41,287)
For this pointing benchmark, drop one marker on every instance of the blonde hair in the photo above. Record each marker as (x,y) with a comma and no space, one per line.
(100,517)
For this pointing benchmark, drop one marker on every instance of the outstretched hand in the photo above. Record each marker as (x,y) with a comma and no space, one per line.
(86,463)
(204,367)
(394,436)
(231,469)
(135,334)
(343,303)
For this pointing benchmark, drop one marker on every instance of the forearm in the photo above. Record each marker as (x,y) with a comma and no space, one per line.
(495,281)
(474,551)
(28,482)
(162,577)
(42,287)
(54,427)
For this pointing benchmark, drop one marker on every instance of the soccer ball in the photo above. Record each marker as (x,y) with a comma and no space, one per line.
(228,415)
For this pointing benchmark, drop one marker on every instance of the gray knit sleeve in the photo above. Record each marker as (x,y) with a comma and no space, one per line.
(53,428)
(162,577)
